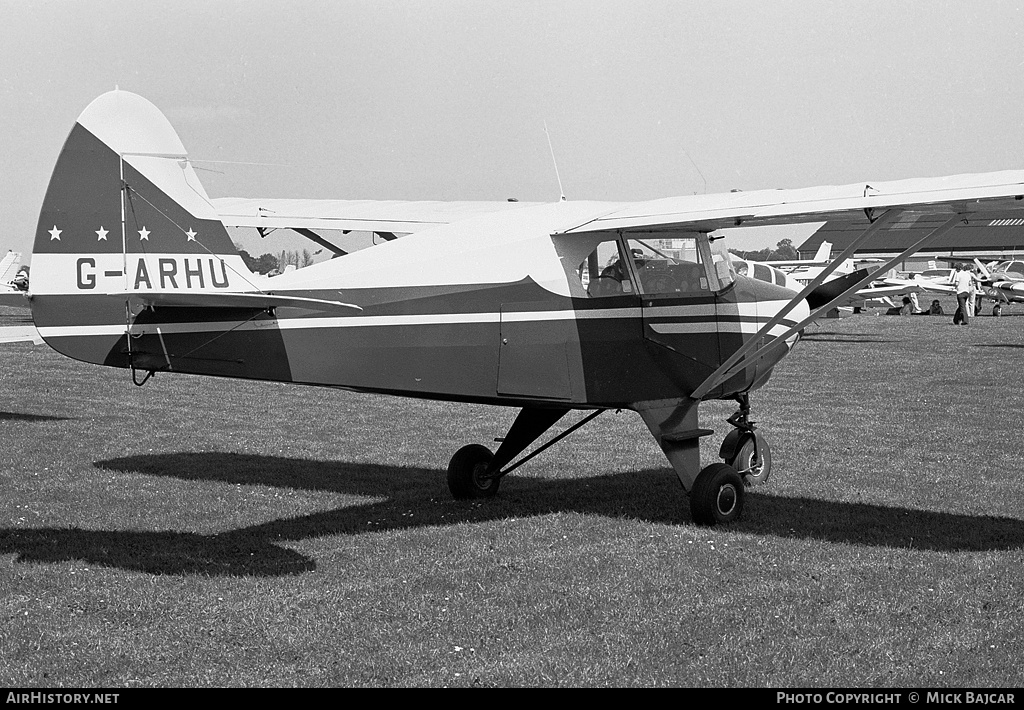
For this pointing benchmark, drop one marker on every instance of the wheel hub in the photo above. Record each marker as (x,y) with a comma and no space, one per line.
(726,499)
(480,477)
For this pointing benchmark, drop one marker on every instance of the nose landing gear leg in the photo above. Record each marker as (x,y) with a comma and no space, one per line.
(745,448)
(716,491)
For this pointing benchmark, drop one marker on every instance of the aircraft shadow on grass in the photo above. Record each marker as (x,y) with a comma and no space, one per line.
(844,338)
(22,417)
(418,497)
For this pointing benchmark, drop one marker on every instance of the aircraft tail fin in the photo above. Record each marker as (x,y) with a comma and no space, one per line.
(124,212)
(9,266)
(824,252)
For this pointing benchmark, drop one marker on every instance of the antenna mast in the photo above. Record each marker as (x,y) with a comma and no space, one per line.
(555,163)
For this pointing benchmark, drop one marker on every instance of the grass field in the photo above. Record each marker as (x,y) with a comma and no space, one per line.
(205,532)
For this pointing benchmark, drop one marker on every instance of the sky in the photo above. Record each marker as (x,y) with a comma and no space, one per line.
(449,99)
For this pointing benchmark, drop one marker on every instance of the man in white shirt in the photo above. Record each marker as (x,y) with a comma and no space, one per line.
(963,280)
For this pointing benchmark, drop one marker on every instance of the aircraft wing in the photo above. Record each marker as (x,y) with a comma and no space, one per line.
(925,203)
(394,216)
(921,285)
(1016,287)
(968,260)
(886,290)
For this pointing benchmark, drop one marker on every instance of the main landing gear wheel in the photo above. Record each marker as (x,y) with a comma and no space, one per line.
(754,471)
(717,495)
(467,473)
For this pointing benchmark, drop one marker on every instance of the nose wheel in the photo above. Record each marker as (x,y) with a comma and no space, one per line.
(753,460)
(745,448)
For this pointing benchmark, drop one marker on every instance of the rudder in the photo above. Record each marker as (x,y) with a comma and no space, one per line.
(124,212)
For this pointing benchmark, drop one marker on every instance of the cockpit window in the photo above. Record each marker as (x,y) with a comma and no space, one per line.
(763,273)
(604,271)
(673,263)
(642,262)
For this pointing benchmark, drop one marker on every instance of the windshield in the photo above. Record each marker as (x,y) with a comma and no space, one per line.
(675,263)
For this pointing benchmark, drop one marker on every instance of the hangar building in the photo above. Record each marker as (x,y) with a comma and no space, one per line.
(998,237)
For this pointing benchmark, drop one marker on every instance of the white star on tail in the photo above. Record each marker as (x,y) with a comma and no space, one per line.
(101,235)
(144,234)
(191,235)
(55,233)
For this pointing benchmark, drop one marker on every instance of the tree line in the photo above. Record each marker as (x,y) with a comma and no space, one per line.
(276,263)
(783,251)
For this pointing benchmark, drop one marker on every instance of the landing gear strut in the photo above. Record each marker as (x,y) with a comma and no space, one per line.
(474,472)
(745,448)
(716,491)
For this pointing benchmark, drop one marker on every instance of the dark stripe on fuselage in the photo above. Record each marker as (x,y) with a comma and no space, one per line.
(616,364)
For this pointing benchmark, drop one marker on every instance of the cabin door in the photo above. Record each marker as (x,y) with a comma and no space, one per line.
(681,313)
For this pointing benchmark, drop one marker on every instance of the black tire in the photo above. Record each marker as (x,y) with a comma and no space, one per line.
(465,470)
(717,495)
(753,473)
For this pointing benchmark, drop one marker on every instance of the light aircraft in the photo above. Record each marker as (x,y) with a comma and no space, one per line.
(794,274)
(546,307)
(13,284)
(13,292)
(9,266)
(999,281)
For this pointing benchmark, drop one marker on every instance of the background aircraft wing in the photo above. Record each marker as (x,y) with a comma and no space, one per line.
(886,290)
(394,216)
(920,285)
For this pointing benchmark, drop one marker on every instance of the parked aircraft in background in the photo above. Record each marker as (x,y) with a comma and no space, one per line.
(549,308)
(1001,281)
(13,280)
(13,289)
(9,266)
(795,274)
(822,257)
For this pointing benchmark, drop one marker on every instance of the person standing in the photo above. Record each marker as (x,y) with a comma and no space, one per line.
(963,281)
(979,292)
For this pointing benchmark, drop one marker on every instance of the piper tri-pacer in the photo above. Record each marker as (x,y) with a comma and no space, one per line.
(571,305)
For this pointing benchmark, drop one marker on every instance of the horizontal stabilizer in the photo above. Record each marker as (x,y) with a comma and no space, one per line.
(253,301)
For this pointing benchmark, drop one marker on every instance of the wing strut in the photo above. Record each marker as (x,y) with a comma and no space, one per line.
(715,378)
(734,364)
(314,237)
